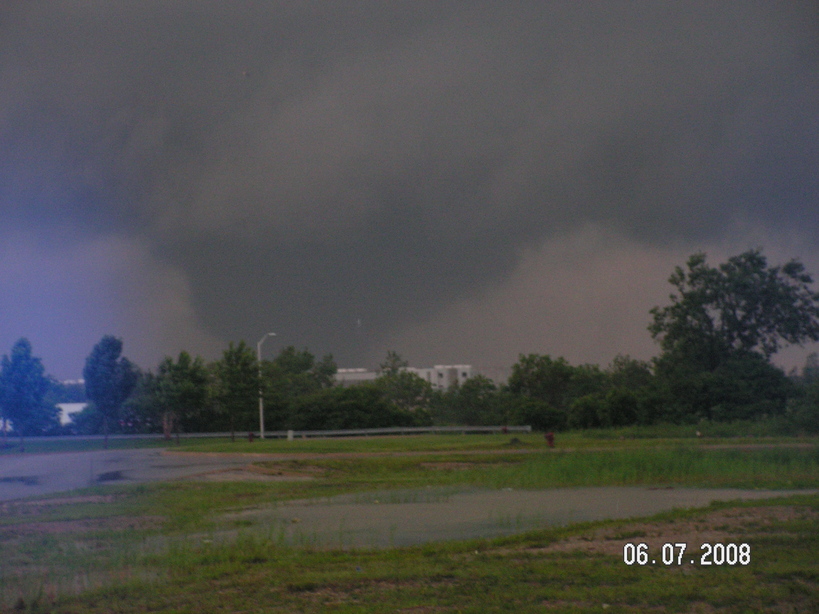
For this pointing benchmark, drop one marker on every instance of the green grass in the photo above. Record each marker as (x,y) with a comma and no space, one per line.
(115,562)
(770,431)
(256,574)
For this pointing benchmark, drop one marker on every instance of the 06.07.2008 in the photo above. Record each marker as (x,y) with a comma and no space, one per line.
(674,554)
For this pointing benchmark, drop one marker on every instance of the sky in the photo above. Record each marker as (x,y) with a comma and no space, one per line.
(460,182)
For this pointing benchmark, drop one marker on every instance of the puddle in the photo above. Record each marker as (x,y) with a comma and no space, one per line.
(400,518)
(27,480)
(110,476)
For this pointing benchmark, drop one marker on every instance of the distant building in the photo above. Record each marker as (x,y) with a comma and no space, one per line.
(440,377)
(346,377)
(67,411)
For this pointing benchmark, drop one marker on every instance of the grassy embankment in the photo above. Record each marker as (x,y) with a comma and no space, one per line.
(148,548)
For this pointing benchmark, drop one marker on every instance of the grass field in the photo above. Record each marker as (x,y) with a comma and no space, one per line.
(152,547)
(771,431)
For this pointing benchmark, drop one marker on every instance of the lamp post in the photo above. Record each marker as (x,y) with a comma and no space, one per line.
(261,399)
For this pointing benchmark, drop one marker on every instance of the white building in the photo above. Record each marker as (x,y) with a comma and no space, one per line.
(67,411)
(440,377)
(345,377)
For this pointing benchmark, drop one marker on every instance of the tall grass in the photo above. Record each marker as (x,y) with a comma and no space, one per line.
(693,465)
(684,466)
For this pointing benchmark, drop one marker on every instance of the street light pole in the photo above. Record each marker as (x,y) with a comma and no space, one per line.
(261,399)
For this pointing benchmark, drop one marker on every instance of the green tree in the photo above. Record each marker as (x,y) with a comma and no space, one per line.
(109,380)
(392,364)
(810,372)
(537,413)
(142,411)
(803,408)
(475,403)
(554,381)
(406,390)
(720,330)
(541,377)
(629,373)
(342,407)
(742,306)
(182,389)
(236,387)
(585,411)
(291,375)
(23,390)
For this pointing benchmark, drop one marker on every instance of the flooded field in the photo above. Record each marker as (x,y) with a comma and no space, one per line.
(400,518)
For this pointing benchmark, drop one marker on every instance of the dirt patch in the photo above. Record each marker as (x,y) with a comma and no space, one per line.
(260,473)
(460,465)
(5,507)
(41,506)
(720,526)
(453,466)
(289,468)
(121,523)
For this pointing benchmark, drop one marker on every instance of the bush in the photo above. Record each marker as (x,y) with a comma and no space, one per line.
(360,406)
(619,408)
(539,414)
(804,412)
(585,412)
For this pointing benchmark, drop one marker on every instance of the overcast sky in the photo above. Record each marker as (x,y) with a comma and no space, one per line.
(457,181)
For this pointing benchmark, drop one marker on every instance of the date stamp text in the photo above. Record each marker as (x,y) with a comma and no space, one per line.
(675,554)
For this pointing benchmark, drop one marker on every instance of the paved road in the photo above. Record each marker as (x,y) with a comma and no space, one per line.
(26,475)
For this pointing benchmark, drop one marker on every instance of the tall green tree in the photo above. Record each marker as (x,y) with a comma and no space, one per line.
(477,402)
(554,381)
(629,373)
(23,390)
(719,332)
(236,386)
(804,407)
(742,306)
(109,380)
(406,390)
(182,390)
(291,375)
(393,364)
(142,412)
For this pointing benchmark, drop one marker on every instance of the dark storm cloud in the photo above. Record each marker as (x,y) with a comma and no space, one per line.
(305,165)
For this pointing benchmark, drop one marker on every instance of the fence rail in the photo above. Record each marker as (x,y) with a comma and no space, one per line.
(394,430)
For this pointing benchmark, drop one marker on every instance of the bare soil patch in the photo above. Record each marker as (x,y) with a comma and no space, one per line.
(120,523)
(260,473)
(451,466)
(41,506)
(715,527)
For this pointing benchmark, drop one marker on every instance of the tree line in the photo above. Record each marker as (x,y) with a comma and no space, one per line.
(717,337)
